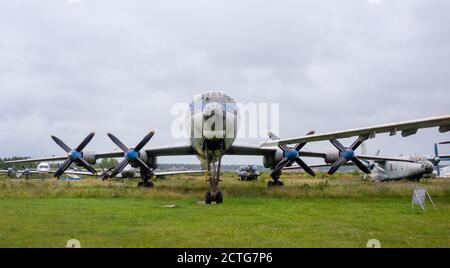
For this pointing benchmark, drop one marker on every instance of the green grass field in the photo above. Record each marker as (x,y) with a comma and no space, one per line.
(338,211)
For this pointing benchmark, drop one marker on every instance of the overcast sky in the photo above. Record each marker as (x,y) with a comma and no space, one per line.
(68,67)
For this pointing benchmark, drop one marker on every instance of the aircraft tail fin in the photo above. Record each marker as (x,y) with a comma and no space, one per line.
(363,148)
(272,136)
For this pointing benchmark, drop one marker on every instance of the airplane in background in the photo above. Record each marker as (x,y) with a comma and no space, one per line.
(42,169)
(438,158)
(413,167)
(130,173)
(213,122)
(248,173)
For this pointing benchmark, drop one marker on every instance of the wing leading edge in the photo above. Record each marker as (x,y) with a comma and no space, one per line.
(171,150)
(406,128)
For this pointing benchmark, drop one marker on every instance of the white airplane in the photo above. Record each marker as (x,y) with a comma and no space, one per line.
(42,169)
(213,125)
(414,166)
(129,173)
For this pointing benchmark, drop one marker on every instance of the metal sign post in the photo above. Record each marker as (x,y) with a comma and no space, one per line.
(419,197)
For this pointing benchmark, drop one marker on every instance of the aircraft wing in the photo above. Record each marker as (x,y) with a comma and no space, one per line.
(171,150)
(157,174)
(362,157)
(247,149)
(295,167)
(184,149)
(383,158)
(406,128)
(29,160)
(62,158)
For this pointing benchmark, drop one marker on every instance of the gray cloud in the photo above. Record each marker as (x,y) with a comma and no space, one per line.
(67,69)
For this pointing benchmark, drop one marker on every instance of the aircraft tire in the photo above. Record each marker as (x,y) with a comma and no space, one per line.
(219,197)
(208,197)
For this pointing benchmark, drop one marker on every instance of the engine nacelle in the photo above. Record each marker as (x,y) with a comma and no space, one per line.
(271,160)
(150,160)
(89,157)
(331,157)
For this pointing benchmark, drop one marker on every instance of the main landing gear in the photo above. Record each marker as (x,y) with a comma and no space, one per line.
(275,180)
(146,182)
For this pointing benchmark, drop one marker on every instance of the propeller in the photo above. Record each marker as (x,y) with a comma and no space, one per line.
(74,155)
(291,155)
(131,155)
(437,159)
(26,172)
(10,171)
(348,154)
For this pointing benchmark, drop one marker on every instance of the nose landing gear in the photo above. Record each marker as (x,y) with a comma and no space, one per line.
(214,194)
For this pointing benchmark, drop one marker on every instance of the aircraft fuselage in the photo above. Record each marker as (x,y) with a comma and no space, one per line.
(394,170)
(213,125)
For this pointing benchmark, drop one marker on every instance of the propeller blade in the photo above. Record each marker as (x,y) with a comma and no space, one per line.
(279,166)
(119,168)
(337,165)
(61,144)
(63,167)
(337,144)
(144,141)
(305,167)
(145,167)
(283,148)
(85,142)
(118,142)
(357,143)
(299,146)
(436,154)
(86,165)
(360,165)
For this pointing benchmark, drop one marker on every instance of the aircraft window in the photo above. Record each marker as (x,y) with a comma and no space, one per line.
(229,107)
